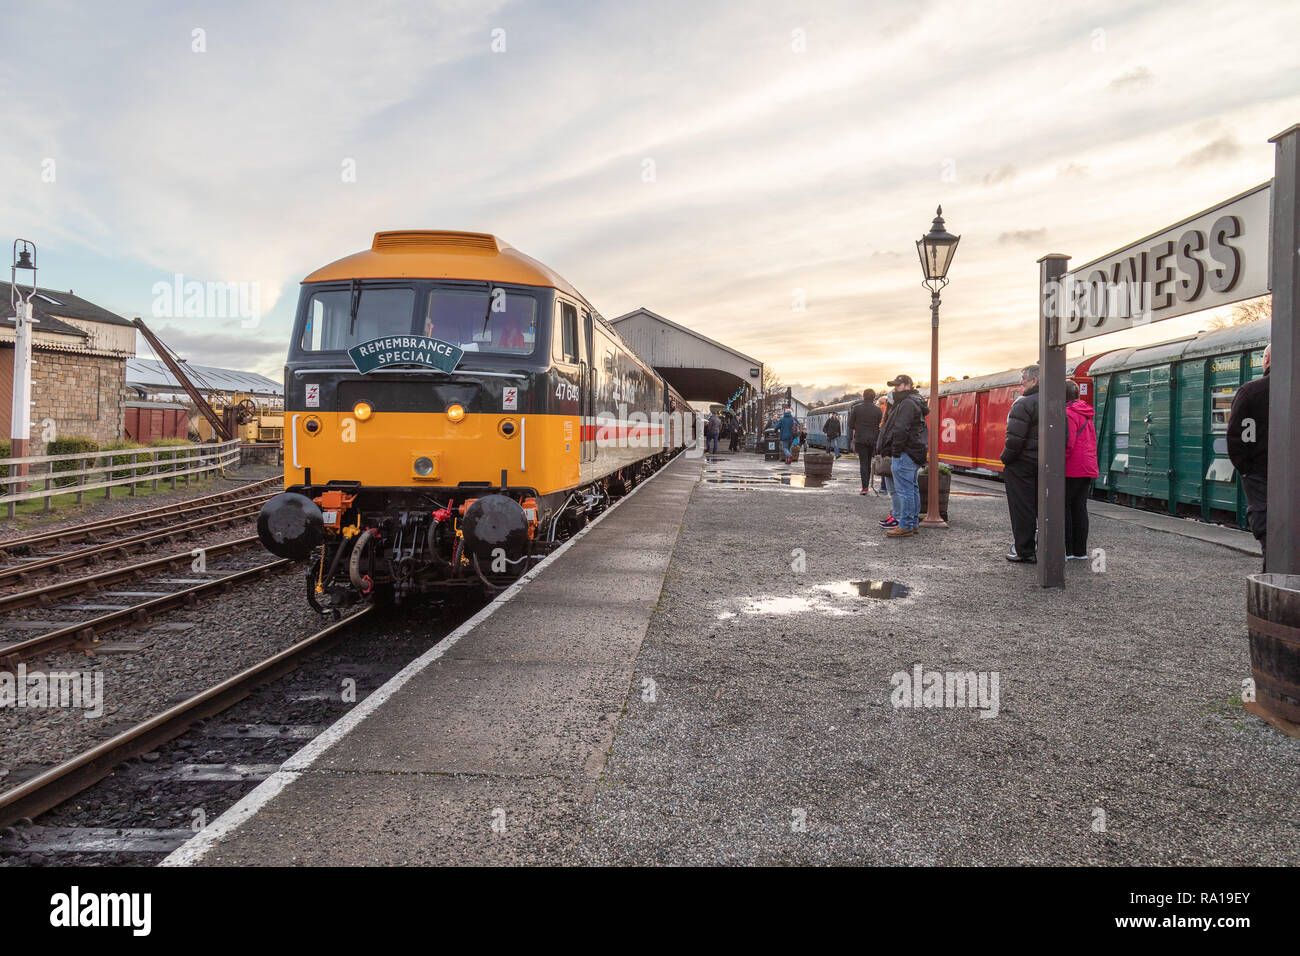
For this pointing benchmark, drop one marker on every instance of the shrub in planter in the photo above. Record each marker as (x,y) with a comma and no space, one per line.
(70,446)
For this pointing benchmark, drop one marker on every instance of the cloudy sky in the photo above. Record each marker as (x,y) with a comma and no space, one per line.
(710,161)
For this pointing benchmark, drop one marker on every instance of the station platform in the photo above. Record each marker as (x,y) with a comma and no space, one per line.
(722,670)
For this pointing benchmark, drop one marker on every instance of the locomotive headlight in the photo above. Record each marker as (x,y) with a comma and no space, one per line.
(362,411)
(455,413)
(423,467)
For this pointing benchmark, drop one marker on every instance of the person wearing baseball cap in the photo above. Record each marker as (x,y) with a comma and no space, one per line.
(904,439)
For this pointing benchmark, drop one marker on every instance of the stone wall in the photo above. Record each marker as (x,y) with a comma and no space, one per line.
(82,394)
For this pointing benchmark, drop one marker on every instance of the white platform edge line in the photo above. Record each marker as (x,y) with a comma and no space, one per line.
(193,850)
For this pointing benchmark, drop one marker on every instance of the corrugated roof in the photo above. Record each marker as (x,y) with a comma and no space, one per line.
(153,374)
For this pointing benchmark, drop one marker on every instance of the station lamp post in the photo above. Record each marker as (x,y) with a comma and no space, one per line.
(20,418)
(936,249)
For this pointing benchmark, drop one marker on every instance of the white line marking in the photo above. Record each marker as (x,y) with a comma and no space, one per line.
(195,849)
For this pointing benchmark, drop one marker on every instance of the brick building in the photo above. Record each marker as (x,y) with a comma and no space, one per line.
(79,354)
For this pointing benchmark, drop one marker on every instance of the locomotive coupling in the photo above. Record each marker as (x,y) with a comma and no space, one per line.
(492,522)
(290,525)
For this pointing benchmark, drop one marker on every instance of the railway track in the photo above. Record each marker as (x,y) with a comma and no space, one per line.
(189,509)
(85,630)
(242,509)
(69,778)
(155,586)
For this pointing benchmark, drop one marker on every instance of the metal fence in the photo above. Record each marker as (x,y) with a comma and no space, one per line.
(88,471)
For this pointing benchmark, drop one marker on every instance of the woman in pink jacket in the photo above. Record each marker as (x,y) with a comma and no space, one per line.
(1080,470)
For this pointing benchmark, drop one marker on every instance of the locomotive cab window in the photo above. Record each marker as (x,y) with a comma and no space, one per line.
(481,321)
(338,319)
(566,333)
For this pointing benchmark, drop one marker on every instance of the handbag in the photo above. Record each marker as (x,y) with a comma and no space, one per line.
(882,465)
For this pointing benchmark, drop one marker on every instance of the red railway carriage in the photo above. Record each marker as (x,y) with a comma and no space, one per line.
(972,419)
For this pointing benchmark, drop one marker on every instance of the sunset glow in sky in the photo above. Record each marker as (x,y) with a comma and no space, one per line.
(712,162)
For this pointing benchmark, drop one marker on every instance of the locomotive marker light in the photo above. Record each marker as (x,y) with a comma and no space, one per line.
(936,249)
(20,426)
(362,411)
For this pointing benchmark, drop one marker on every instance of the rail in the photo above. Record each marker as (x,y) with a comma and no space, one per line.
(121,466)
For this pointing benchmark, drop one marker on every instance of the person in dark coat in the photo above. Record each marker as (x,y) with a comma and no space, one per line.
(905,440)
(864,433)
(1248,447)
(789,432)
(832,432)
(711,429)
(1020,468)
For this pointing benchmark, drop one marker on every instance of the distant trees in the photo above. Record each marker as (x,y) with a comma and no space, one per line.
(1252,310)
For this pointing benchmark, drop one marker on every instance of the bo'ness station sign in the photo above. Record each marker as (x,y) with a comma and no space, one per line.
(1214,258)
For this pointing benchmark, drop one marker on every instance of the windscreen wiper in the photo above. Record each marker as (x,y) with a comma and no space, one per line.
(487,316)
(352,309)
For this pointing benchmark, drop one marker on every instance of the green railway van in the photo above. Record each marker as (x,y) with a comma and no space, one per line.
(1162,419)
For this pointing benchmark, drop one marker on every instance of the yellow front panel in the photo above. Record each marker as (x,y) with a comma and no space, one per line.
(381,451)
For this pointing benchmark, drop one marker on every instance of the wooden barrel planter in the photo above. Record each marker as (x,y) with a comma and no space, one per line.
(817,465)
(1273,616)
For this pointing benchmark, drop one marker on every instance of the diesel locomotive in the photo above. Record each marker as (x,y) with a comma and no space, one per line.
(453,410)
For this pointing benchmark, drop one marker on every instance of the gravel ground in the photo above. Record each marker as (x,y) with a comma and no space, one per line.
(96,508)
(1119,736)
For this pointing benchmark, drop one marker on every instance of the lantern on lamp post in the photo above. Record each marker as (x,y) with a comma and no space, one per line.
(935,249)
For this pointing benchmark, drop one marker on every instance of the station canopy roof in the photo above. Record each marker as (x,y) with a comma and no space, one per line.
(701,368)
(151,375)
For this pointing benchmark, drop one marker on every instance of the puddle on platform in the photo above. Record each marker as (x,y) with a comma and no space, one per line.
(788,479)
(882,590)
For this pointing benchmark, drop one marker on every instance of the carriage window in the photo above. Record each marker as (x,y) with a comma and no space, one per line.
(566,333)
(1121,421)
(331,326)
(1221,408)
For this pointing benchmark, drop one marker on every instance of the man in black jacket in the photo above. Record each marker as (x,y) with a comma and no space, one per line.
(905,441)
(1020,468)
(1248,447)
(831,429)
(864,432)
